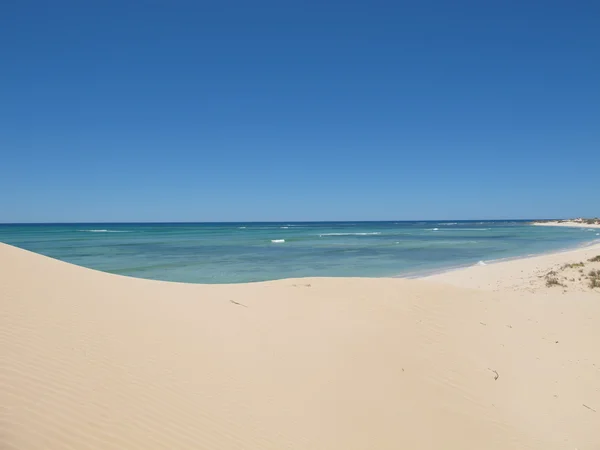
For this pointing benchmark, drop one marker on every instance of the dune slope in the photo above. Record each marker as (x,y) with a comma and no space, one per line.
(90,360)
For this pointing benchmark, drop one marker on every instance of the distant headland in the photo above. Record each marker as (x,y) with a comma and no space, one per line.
(579,222)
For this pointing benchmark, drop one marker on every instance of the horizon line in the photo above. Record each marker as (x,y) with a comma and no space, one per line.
(277,221)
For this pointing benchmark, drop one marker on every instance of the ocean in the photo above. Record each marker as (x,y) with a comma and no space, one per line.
(244,252)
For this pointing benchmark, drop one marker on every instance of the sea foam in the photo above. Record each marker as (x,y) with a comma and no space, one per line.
(466,229)
(277,241)
(104,231)
(350,234)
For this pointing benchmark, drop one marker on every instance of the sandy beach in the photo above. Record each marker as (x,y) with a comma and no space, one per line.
(486,357)
(527,274)
(566,223)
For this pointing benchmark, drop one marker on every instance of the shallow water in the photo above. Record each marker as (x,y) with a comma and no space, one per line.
(241,252)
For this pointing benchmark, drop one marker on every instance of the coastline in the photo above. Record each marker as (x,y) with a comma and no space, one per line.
(518,274)
(566,223)
(221,254)
(431,273)
(327,363)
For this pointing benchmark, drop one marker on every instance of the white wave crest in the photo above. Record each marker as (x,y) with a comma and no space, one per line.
(481,263)
(435,229)
(448,223)
(104,231)
(284,228)
(466,229)
(241,228)
(277,241)
(350,234)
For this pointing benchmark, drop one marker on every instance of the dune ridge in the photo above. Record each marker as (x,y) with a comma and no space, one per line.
(91,360)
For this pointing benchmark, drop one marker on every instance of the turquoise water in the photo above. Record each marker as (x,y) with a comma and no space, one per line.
(241,252)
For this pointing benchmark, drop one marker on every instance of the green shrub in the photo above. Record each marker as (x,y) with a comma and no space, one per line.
(553,281)
(594,277)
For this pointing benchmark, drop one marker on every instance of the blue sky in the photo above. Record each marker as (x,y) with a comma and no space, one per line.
(239,111)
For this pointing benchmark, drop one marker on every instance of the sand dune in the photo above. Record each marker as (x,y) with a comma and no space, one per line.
(96,361)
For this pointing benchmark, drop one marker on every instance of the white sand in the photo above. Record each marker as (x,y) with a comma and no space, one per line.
(96,361)
(526,274)
(568,223)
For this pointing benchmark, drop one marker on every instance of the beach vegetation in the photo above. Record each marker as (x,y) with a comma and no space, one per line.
(594,278)
(553,281)
(595,259)
(573,265)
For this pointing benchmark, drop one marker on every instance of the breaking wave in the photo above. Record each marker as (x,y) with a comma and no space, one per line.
(104,231)
(350,234)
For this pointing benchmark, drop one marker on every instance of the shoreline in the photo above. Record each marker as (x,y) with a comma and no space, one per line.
(491,262)
(425,274)
(528,273)
(191,256)
(566,223)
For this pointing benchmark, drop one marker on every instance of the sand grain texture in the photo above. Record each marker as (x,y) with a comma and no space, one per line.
(96,361)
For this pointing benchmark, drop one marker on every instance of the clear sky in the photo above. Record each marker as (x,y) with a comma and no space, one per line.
(295,110)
